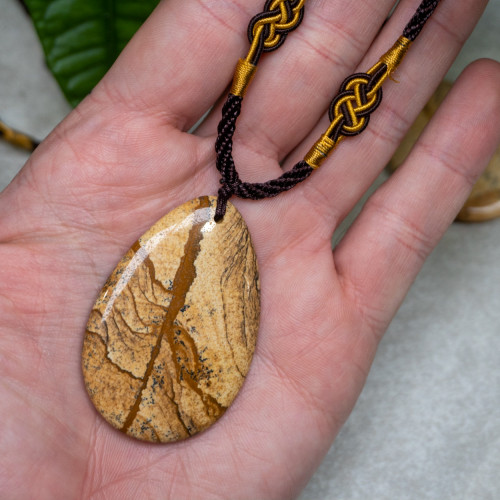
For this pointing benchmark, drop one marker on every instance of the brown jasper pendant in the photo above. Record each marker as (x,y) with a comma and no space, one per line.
(172,334)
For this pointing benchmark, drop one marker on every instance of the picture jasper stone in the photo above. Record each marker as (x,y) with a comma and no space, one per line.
(171,336)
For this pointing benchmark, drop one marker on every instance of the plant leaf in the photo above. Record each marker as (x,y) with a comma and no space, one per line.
(82,38)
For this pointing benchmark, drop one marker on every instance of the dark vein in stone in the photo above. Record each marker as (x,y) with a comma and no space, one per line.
(184,277)
(240,245)
(152,273)
(114,319)
(134,302)
(208,401)
(176,406)
(119,368)
(244,293)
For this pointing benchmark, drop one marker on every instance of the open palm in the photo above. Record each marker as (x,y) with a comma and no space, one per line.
(123,159)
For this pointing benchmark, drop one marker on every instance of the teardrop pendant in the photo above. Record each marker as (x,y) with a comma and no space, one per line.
(171,336)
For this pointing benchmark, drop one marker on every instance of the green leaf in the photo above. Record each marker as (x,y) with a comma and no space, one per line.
(82,38)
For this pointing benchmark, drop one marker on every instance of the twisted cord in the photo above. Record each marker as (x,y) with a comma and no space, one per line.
(417,22)
(230,180)
(352,120)
(350,111)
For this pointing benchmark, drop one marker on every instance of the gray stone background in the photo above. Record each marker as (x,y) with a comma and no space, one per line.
(427,425)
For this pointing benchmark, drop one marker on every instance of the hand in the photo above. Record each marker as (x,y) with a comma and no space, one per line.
(123,159)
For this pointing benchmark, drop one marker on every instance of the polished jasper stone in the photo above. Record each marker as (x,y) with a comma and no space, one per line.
(171,336)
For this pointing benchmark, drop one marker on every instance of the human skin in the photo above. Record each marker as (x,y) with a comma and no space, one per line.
(123,158)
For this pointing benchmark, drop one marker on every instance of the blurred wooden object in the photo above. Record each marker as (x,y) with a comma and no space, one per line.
(484,201)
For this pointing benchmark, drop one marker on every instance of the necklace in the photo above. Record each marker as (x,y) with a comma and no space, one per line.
(171,336)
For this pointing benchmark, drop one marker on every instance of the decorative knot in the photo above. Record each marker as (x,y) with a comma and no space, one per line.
(278,19)
(359,96)
(225,192)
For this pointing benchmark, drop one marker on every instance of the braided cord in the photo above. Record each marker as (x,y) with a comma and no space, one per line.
(359,96)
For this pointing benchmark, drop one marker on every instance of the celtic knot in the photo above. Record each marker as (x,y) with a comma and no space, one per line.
(358,97)
(270,28)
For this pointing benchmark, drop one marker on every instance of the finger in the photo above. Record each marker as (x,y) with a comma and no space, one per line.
(181,60)
(403,221)
(352,168)
(294,85)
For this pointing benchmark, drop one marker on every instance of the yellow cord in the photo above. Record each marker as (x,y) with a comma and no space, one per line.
(16,138)
(243,75)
